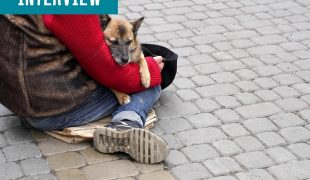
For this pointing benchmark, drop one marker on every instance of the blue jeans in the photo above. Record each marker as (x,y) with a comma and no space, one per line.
(101,103)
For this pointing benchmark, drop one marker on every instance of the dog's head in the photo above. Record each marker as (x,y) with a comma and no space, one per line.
(121,36)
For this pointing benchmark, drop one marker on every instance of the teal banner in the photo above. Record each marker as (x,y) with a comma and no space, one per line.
(58,6)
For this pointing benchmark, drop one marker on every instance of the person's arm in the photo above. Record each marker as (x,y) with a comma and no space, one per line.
(82,35)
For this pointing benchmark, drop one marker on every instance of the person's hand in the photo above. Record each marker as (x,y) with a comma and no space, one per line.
(159,61)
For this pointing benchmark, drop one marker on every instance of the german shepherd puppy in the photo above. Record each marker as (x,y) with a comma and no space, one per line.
(121,37)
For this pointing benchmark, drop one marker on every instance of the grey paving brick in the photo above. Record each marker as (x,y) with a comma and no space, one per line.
(240,34)
(174,125)
(258,110)
(200,153)
(270,59)
(271,139)
(201,136)
(176,158)
(172,141)
(223,178)
(191,171)
(220,21)
(234,130)
(291,104)
(249,143)
(185,51)
(280,155)
(267,70)
(247,98)
(18,135)
(301,150)
(8,122)
(222,166)
(303,64)
(167,27)
(227,101)
(21,151)
(222,46)
(255,174)
(287,67)
(169,98)
(207,105)
(287,79)
(10,170)
(253,160)
(208,38)
(267,95)
(180,42)
(218,90)
(259,125)
(302,54)
(286,92)
(247,86)
(305,75)
(183,83)
(287,57)
(305,114)
(265,49)
(196,16)
(265,83)
(202,80)
(176,110)
(55,146)
(208,68)
(231,65)
(2,140)
(246,74)
(227,147)
(269,39)
(188,94)
(294,170)
(293,46)
(34,166)
(242,43)
(201,59)
(227,116)
(40,176)
(306,98)
(203,120)
(295,134)
(166,36)
(222,56)
(238,53)
(284,120)
(2,159)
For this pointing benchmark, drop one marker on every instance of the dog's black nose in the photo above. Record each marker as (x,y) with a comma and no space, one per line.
(125,60)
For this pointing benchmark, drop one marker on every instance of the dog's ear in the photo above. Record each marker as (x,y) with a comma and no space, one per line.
(104,20)
(136,25)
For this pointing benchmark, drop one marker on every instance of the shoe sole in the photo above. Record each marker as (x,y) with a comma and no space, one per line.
(142,145)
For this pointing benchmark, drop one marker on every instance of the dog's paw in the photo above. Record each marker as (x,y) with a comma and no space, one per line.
(125,99)
(145,79)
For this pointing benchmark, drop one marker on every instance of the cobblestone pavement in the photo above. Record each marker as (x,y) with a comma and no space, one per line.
(238,109)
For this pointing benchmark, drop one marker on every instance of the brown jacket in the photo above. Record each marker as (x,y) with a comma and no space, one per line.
(38,76)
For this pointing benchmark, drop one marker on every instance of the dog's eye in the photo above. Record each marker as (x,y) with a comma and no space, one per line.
(129,42)
(114,42)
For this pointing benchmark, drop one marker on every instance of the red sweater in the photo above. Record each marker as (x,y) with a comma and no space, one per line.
(83,36)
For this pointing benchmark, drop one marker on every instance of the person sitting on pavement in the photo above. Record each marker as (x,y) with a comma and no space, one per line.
(57,72)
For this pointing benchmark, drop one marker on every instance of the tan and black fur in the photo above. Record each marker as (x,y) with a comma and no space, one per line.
(121,36)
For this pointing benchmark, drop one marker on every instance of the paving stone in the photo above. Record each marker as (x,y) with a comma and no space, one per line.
(176,110)
(107,170)
(227,147)
(303,64)
(255,174)
(207,105)
(188,95)
(271,139)
(187,71)
(227,101)
(183,83)
(234,130)
(305,75)
(191,171)
(247,98)
(8,122)
(295,134)
(65,161)
(203,80)
(227,116)
(174,125)
(164,175)
(92,156)
(306,98)
(224,77)
(291,104)
(34,166)
(201,136)
(69,174)
(254,160)
(305,114)
(176,158)
(2,159)
(258,110)
(247,86)
(242,43)
(259,125)
(172,141)
(286,92)
(267,70)
(208,38)
(294,170)
(147,168)
(267,95)
(203,120)
(265,49)
(218,90)
(201,59)
(18,135)
(222,56)
(246,74)
(243,34)
(223,178)
(39,135)
(284,120)
(208,68)
(270,59)
(169,98)
(287,79)
(252,62)
(269,39)
(287,67)
(39,177)
(21,151)
(200,153)
(249,143)
(301,150)
(55,146)
(238,53)
(2,141)
(303,88)
(222,46)
(10,170)
(222,166)
(280,155)
(266,83)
